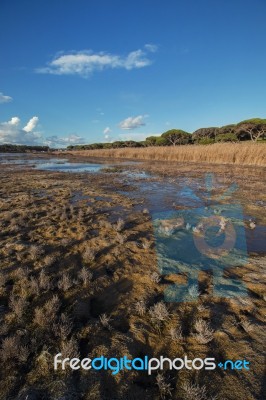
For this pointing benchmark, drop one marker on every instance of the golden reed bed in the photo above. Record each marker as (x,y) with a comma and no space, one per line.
(219,153)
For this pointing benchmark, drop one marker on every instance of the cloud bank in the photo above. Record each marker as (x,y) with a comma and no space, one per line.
(4,98)
(12,133)
(84,63)
(132,122)
(71,139)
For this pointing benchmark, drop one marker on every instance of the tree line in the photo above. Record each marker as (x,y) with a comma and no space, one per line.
(16,148)
(252,129)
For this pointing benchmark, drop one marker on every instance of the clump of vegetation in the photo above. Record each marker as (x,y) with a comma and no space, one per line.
(204,332)
(89,255)
(119,225)
(141,308)
(65,283)
(159,312)
(163,386)
(196,392)
(85,275)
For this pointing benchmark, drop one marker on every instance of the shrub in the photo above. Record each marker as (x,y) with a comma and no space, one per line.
(119,225)
(18,306)
(159,312)
(164,388)
(204,332)
(206,141)
(176,333)
(227,137)
(49,260)
(35,252)
(9,349)
(47,314)
(22,273)
(2,280)
(104,320)
(33,286)
(65,283)
(89,255)
(155,277)
(23,353)
(195,392)
(64,327)
(85,276)
(141,307)
(69,348)
(121,238)
(44,281)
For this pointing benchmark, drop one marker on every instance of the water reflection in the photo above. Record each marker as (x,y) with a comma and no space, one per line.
(49,164)
(69,167)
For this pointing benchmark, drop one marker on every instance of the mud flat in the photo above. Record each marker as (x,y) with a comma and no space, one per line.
(79,275)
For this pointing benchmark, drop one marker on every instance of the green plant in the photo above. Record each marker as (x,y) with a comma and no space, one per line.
(226,137)
(206,141)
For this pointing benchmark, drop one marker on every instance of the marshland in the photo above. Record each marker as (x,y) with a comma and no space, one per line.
(79,275)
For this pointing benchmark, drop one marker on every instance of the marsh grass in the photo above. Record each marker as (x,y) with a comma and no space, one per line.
(245,153)
(110,302)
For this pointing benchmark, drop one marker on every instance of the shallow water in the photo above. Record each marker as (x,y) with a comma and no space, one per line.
(49,164)
(69,167)
(146,190)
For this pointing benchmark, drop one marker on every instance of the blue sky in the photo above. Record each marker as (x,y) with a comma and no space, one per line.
(74,71)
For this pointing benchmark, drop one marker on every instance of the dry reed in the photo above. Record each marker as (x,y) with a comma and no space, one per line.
(245,153)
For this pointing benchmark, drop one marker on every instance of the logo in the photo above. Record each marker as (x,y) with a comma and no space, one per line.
(146,364)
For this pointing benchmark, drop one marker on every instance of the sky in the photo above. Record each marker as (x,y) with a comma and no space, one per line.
(86,71)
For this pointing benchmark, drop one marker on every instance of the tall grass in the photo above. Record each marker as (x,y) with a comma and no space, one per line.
(246,153)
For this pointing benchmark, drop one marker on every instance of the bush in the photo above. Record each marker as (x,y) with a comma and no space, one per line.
(227,137)
(206,141)
(9,349)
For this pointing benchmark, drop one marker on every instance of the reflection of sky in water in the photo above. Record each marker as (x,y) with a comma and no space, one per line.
(50,164)
(69,167)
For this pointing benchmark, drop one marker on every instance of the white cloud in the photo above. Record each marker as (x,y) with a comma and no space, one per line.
(71,139)
(132,122)
(107,130)
(151,47)
(31,124)
(14,121)
(84,63)
(4,98)
(10,132)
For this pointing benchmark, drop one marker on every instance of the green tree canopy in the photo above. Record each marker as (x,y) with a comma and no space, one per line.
(203,133)
(254,127)
(151,140)
(177,136)
(156,141)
